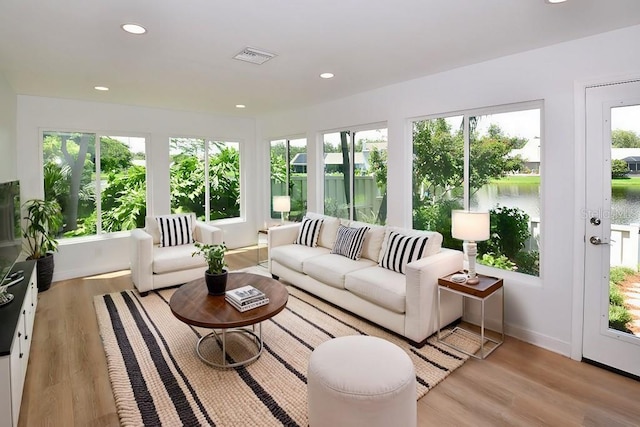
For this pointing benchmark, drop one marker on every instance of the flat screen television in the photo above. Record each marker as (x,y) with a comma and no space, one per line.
(10,229)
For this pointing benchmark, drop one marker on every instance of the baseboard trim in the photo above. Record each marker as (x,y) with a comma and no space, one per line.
(540,340)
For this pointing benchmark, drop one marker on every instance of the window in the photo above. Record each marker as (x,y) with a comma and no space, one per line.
(100,187)
(487,161)
(289,175)
(355,175)
(208,185)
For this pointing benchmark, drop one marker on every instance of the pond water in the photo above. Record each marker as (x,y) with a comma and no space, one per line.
(625,206)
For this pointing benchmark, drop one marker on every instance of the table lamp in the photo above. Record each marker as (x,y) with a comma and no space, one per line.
(281,204)
(471,227)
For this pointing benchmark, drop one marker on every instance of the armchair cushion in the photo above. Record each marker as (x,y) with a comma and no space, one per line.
(151,225)
(176,258)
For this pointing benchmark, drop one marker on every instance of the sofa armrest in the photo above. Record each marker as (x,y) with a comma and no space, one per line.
(422,293)
(208,234)
(282,235)
(141,259)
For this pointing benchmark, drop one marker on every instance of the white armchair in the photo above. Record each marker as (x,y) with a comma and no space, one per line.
(156,267)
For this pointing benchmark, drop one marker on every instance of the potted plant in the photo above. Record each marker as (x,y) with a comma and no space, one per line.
(43,221)
(216,275)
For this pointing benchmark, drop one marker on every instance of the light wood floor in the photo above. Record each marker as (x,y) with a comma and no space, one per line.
(519,384)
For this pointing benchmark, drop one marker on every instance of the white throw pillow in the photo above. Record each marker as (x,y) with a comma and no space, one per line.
(175,230)
(349,241)
(308,232)
(401,250)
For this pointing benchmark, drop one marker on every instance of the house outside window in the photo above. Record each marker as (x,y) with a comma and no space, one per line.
(483,160)
(100,187)
(206,184)
(355,174)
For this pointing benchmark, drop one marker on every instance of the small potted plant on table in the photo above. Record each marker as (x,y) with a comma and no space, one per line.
(216,276)
(43,222)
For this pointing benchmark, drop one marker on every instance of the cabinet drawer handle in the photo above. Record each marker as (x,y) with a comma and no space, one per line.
(21,354)
(19,334)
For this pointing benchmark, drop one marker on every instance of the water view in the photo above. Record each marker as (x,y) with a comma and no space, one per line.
(625,207)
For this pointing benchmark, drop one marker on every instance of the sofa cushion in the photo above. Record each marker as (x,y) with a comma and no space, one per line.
(328,231)
(399,250)
(349,241)
(175,258)
(292,256)
(151,225)
(380,286)
(331,269)
(175,230)
(308,232)
(372,240)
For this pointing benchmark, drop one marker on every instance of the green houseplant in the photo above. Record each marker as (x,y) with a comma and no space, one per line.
(43,221)
(216,274)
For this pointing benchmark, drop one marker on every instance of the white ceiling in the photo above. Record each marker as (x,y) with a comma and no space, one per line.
(63,48)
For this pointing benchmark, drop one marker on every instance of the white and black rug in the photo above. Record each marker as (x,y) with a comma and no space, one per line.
(158,379)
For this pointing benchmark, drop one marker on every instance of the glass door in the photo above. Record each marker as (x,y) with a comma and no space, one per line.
(611,334)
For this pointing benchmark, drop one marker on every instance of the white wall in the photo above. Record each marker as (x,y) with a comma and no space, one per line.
(537,310)
(85,256)
(8,105)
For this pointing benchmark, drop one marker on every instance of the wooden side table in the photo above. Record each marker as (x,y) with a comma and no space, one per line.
(488,287)
(263,239)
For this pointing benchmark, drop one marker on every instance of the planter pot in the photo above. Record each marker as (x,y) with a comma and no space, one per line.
(44,269)
(216,283)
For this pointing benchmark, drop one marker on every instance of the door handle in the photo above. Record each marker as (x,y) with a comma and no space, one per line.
(595,240)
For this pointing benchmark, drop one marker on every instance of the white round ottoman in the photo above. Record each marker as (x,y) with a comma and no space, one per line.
(361,381)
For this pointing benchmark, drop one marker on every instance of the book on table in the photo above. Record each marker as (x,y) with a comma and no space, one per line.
(247,305)
(245,294)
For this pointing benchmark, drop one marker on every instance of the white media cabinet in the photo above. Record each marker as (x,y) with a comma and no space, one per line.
(16,327)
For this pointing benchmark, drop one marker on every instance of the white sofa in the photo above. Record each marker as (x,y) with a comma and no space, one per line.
(156,267)
(402,303)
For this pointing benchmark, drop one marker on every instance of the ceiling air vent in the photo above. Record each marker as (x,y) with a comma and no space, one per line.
(254,56)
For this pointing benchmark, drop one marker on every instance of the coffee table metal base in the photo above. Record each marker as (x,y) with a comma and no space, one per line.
(221,338)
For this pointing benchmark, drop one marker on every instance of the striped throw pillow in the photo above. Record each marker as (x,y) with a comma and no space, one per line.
(401,250)
(349,241)
(309,232)
(175,230)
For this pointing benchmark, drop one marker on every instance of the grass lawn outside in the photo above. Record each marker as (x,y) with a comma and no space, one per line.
(626,182)
(518,179)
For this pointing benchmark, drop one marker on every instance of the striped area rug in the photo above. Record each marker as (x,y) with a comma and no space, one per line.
(158,379)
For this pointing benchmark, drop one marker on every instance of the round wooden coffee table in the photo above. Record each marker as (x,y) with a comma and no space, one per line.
(192,304)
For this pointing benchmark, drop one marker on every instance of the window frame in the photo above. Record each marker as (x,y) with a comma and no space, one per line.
(207,194)
(485,111)
(98,134)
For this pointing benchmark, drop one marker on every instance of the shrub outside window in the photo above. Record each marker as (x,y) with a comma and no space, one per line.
(208,185)
(100,187)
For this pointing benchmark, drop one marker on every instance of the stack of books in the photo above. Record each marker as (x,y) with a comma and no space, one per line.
(246,298)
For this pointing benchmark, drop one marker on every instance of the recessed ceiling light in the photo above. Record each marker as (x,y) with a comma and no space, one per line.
(101,88)
(326,75)
(241,106)
(555,1)
(134,28)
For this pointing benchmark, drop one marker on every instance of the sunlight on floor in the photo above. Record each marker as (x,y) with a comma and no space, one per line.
(110,275)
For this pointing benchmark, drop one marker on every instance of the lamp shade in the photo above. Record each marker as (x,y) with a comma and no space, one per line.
(281,204)
(471,226)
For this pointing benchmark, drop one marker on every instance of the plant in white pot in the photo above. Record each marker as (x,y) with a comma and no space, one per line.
(43,222)
(216,275)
